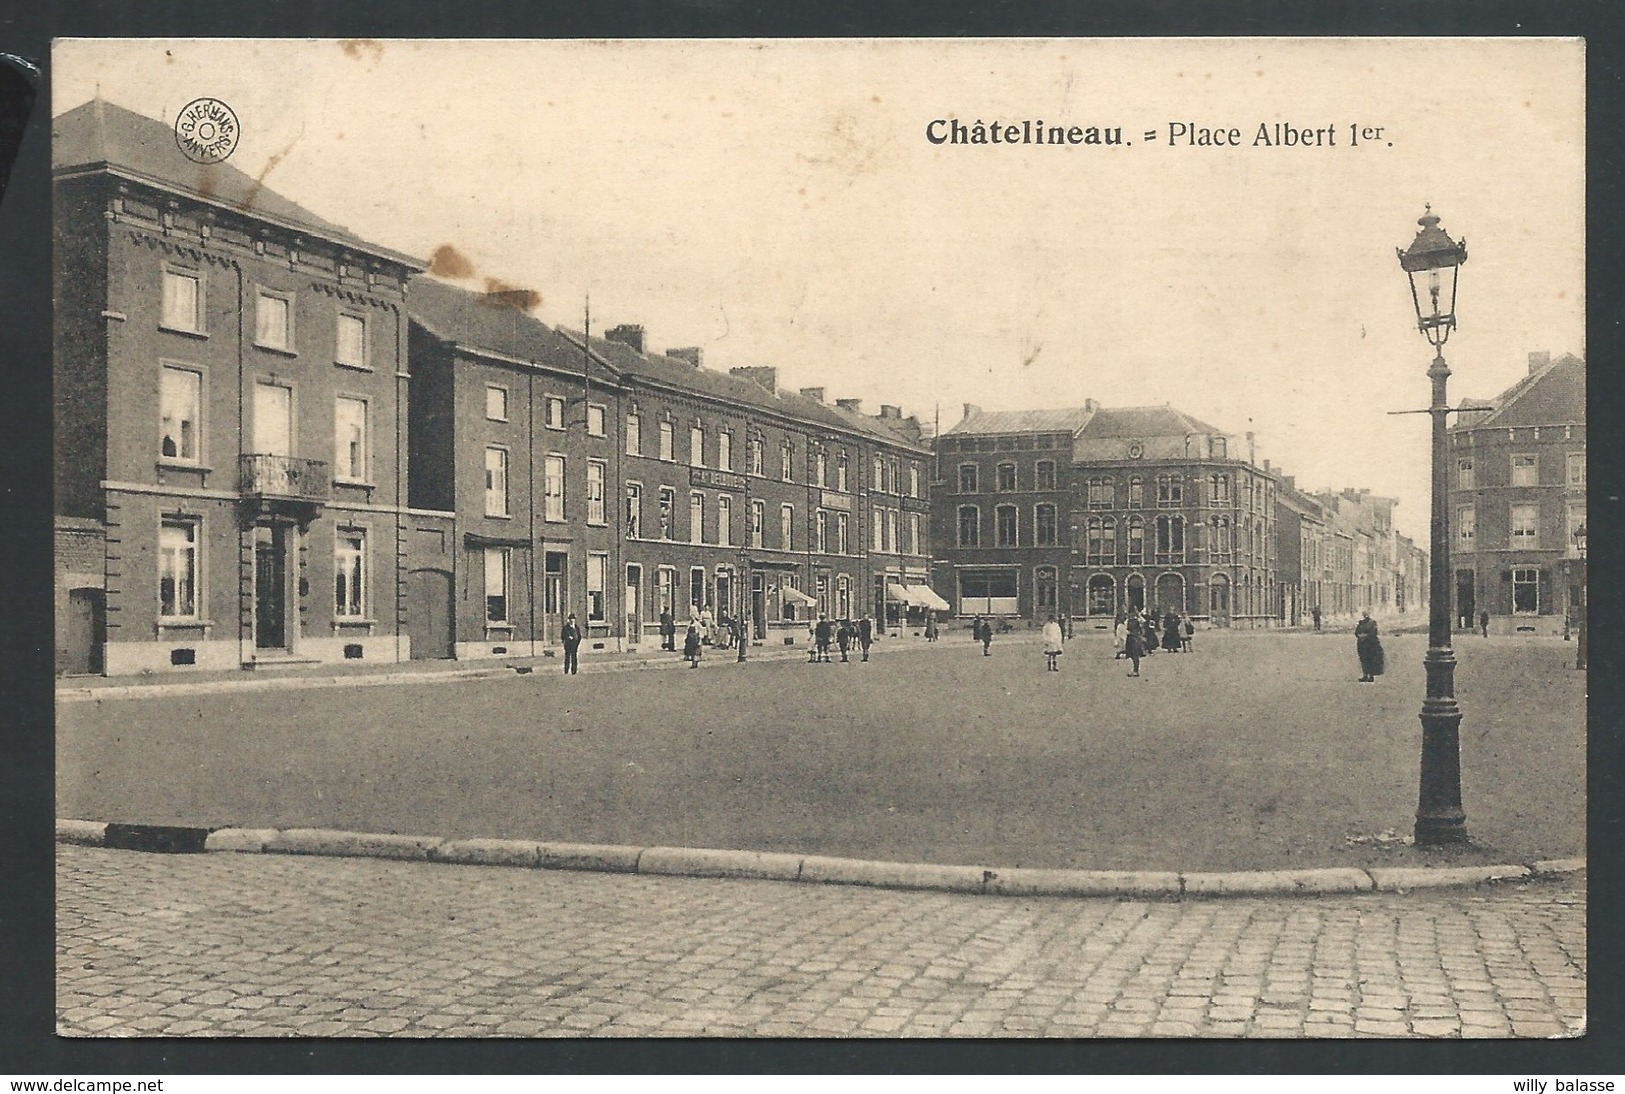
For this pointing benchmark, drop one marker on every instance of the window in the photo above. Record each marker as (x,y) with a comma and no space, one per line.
(496,584)
(913,480)
(1464,473)
(1007,476)
(696,517)
(891,530)
(595,491)
(1220,448)
(1577,468)
(1466,526)
(1136,492)
(666,442)
(755,449)
(696,588)
(1525,525)
(180,408)
(969,525)
(272,320)
(351,341)
(1044,524)
(553,488)
(1045,475)
(634,434)
(1044,589)
(821,532)
(1136,539)
(787,523)
(820,465)
(1575,515)
(1219,489)
(842,532)
(1222,540)
(634,510)
(496,403)
(177,570)
(668,510)
(758,522)
(1102,595)
(967,478)
(1170,539)
(553,412)
(1108,541)
(597,579)
(894,481)
(595,420)
(696,445)
(1095,541)
(725,451)
(1170,492)
(350,439)
(914,533)
(1004,525)
(1102,493)
(725,516)
(496,482)
(349,579)
(1525,470)
(877,475)
(1526,590)
(877,534)
(666,590)
(787,456)
(182,301)
(840,473)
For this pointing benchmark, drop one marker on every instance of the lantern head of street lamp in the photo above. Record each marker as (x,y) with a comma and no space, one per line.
(1432,263)
(1580,540)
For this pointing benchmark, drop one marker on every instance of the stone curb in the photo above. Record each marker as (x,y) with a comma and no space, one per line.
(705,862)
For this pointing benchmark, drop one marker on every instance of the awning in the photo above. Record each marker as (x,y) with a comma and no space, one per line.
(796,596)
(897,594)
(474,539)
(926,597)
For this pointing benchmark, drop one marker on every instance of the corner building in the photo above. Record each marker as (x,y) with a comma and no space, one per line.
(230,417)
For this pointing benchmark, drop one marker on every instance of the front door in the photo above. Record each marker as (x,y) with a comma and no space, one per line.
(1466,600)
(555,593)
(634,604)
(429,614)
(85,631)
(758,604)
(1219,601)
(271,588)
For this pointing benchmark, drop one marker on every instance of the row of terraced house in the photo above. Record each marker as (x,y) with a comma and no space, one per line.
(281,444)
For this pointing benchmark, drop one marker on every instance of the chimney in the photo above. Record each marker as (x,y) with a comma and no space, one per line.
(816,394)
(854,405)
(972,408)
(765,375)
(891,412)
(1266,463)
(1291,481)
(1538,360)
(628,334)
(1251,451)
(692,354)
(1090,405)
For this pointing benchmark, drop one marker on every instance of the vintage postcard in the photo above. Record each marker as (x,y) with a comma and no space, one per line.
(1074,538)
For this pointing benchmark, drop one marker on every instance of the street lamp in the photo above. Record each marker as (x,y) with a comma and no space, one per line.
(1432,263)
(1580,615)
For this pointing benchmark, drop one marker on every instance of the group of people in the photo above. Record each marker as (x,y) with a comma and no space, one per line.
(1137,634)
(844,633)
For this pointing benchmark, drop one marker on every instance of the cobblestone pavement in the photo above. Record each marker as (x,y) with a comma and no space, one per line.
(262,945)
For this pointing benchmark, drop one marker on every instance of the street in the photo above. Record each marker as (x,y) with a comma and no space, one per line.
(269,946)
(1258,750)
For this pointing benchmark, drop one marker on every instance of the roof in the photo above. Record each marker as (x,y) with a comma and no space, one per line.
(100,135)
(1145,421)
(1550,395)
(478,321)
(1068,420)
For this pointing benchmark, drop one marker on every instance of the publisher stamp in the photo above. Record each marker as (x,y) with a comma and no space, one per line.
(206,131)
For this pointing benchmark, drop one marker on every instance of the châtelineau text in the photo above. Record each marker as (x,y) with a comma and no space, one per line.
(1179,134)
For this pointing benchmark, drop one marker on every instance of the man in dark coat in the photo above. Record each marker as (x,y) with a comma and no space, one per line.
(1170,632)
(668,630)
(1314,613)
(866,635)
(1134,644)
(1484,623)
(571,637)
(843,638)
(1369,648)
(987,638)
(821,636)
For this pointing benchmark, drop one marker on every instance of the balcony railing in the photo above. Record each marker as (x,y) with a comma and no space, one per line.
(264,476)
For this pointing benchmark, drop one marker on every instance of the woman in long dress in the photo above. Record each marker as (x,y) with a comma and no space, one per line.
(1053,644)
(1369,647)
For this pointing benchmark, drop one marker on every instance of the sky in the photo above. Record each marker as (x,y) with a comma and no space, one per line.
(778,203)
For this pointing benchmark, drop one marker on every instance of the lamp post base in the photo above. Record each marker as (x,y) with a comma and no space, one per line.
(1440,820)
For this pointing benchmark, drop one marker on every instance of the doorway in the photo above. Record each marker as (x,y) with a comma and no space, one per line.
(1466,600)
(85,631)
(634,604)
(1219,601)
(271,587)
(555,593)
(429,614)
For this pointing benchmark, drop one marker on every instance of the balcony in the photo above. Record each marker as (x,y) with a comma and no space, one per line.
(284,485)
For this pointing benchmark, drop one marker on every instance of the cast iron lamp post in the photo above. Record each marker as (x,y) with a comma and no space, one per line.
(1433,262)
(1580,616)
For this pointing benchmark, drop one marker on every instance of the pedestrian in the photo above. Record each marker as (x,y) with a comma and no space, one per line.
(930,627)
(1134,640)
(691,646)
(725,627)
(1189,632)
(708,626)
(822,633)
(1314,613)
(1119,635)
(866,634)
(1170,632)
(668,630)
(976,629)
(844,633)
(571,637)
(1053,644)
(1148,632)
(1484,623)
(987,638)
(1369,647)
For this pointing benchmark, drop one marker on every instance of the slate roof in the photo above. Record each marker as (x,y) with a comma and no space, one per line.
(1145,421)
(479,322)
(1548,396)
(1068,420)
(100,134)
